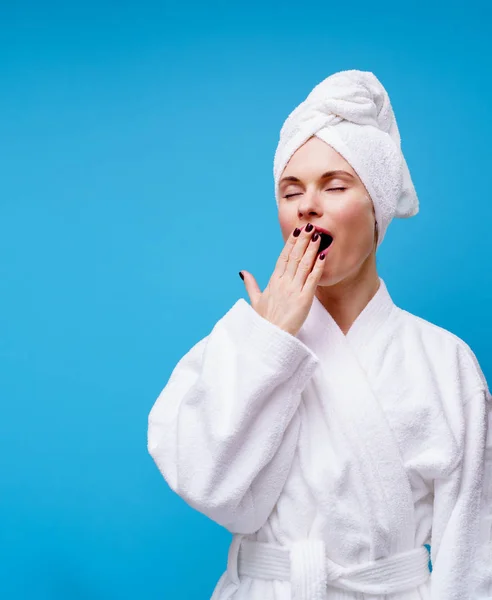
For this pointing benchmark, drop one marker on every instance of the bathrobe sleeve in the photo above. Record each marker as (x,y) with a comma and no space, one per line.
(462,522)
(224,429)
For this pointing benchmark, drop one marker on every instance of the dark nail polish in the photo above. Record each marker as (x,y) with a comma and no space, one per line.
(315,237)
(322,256)
(309,227)
(241,275)
(296,232)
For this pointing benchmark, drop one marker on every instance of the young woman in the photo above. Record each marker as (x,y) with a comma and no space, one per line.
(335,434)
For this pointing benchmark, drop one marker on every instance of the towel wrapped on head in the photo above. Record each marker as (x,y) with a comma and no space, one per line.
(351,112)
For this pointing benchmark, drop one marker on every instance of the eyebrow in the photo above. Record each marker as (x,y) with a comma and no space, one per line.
(327,175)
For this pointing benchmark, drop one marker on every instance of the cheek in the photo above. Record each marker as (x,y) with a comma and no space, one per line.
(356,215)
(287,223)
(352,214)
(356,219)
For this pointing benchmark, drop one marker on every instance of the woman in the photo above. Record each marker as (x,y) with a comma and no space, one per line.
(335,434)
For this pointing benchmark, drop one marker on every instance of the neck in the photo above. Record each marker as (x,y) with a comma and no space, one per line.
(346,299)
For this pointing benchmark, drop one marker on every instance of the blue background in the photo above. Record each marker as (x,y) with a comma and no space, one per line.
(136,150)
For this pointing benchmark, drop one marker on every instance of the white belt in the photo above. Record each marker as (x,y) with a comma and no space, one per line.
(305,565)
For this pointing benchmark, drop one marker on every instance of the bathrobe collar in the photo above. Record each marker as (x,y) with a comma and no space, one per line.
(367,324)
(347,396)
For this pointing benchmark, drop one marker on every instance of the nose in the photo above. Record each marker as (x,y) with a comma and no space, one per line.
(309,205)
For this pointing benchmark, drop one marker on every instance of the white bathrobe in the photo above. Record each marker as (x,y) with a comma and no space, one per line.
(363,445)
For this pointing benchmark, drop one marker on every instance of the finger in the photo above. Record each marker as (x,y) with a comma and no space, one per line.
(283,258)
(297,252)
(308,260)
(251,286)
(315,275)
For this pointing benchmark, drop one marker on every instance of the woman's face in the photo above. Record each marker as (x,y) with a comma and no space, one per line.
(337,202)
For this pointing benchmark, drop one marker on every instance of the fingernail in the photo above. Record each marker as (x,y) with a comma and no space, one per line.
(241,275)
(309,227)
(315,237)
(322,256)
(296,232)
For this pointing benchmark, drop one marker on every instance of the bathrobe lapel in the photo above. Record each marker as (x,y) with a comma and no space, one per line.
(382,483)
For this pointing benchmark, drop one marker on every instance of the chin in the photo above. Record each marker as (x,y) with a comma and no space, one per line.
(328,279)
(351,272)
(334,273)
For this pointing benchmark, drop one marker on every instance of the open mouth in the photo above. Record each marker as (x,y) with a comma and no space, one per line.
(326,240)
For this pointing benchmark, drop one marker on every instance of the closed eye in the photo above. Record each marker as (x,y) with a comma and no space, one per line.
(328,190)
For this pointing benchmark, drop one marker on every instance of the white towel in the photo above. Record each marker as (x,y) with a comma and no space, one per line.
(351,111)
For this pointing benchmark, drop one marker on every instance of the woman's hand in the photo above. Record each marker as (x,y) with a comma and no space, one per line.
(289,295)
